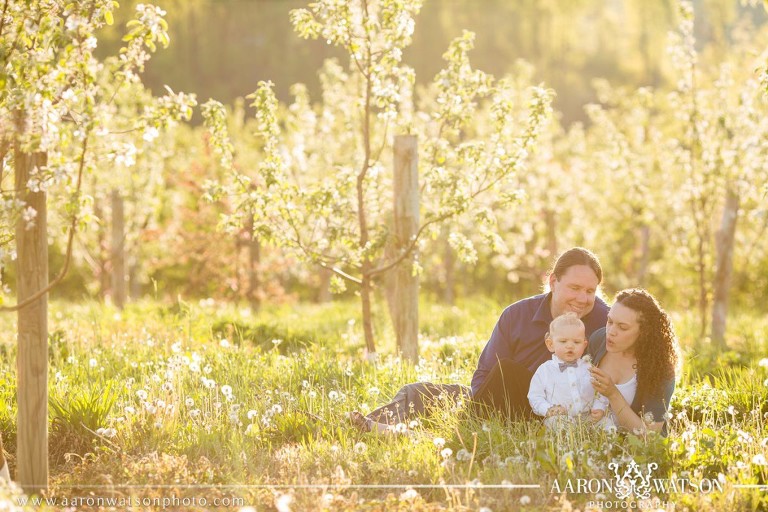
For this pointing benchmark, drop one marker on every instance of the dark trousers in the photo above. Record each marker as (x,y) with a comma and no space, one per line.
(417,399)
(506,390)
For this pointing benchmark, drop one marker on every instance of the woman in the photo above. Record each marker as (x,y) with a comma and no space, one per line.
(634,360)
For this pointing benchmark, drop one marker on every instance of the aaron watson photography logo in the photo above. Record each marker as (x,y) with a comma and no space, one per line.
(632,482)
(633,485)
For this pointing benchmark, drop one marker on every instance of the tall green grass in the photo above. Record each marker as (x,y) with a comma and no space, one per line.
(205,393)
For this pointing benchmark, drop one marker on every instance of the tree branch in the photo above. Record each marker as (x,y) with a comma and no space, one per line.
(341,273)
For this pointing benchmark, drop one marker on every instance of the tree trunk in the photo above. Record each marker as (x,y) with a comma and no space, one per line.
(101,263)
(724,269)
(449,263)
(406,196)
(365,296)
(643,254)
(550,221)
(32,254)
(703,300)
(134,285)
(254,262)
(118,251)
(324,293)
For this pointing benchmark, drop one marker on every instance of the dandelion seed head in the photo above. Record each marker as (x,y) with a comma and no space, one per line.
(463,455)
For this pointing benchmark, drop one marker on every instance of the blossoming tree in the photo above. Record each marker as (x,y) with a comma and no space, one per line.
(337,210)
(56,101)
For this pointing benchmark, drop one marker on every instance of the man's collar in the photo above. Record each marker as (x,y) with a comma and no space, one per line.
(544,313)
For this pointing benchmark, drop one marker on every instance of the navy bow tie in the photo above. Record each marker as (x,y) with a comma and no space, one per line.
(563,366)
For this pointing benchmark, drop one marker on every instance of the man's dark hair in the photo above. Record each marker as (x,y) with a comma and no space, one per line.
(577,256)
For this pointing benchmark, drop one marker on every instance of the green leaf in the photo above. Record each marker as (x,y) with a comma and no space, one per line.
(109,18)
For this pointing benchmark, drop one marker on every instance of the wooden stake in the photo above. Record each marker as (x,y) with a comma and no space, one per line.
(32,254)
(406,196)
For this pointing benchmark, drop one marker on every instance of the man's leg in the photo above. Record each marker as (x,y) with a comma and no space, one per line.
(506,390)
(413,400)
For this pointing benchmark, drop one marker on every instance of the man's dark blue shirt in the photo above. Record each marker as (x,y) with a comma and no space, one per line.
(519,335)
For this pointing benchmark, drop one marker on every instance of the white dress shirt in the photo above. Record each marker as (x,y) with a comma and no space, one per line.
(570,388)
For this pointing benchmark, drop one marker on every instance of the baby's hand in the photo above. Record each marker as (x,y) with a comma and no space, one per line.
(556,410)
(596,414)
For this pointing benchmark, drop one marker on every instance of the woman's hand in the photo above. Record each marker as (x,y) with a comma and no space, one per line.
(602,382)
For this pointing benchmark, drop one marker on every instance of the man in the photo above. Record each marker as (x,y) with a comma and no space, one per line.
(516,349)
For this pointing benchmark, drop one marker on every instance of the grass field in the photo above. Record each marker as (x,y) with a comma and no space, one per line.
(203,401)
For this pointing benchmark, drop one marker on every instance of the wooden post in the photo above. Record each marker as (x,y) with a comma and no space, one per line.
(254,266)
(32,360)
(134,285)
(724,241)
(118,250)
(324,291)
(406,195)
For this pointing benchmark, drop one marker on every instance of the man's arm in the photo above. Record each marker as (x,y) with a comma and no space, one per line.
(500,346)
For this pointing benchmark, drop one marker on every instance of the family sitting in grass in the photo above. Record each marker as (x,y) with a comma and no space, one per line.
(631,346)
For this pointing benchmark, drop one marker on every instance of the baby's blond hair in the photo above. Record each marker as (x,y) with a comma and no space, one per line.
(569,318)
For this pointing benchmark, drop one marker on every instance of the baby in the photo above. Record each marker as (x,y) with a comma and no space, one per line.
(561,388)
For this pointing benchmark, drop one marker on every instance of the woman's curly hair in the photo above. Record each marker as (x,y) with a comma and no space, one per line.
(656,347)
